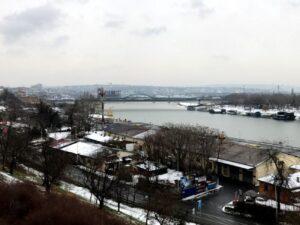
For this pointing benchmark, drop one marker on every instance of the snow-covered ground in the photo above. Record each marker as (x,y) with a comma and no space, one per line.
(136,213)
(31,170)
(8,178)
(273,204)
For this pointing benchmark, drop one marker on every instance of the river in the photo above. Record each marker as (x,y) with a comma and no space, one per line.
(256,129)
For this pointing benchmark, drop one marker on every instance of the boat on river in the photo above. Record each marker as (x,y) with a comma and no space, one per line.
(217,111)
(284,116)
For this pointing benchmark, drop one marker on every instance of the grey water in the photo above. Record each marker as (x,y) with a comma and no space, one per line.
(256,129)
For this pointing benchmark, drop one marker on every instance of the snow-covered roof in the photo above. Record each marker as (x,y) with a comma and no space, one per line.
(230,163)
(83,148)
(171,176)
(98,136)
(63,129)
(61,143)
(293,180)
(149,166)
(59,135)
(99,116)
(143,135)
(295,167)
(2,108)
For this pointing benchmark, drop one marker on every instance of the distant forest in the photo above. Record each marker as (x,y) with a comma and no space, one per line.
(276,100)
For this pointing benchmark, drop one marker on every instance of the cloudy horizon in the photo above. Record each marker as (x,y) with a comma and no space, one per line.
(142,42)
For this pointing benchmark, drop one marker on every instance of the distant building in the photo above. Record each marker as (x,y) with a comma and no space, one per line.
(30,100)
(81,152)
(110,93)
(130,132)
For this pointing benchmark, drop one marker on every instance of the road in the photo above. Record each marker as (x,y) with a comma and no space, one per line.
(211,212)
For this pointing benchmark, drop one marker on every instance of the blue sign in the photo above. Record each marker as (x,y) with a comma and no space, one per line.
(200,204)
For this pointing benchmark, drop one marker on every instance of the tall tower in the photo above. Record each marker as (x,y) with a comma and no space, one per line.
(101,94)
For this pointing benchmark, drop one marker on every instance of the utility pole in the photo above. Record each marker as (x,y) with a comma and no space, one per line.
(101,93)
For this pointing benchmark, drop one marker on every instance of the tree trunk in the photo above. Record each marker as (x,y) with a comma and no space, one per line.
(3,162)
(101,204)
(119,206)
(12,165)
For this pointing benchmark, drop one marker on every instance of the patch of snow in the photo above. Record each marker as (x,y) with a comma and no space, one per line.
(171,176)
(8,178)
(2,108)
(273,204)
(186,104)
(149,166)
(295,167)
(65,129)
(145,134)
(31,170)
(99,116)
(98,136)
(59,135)
(293,180)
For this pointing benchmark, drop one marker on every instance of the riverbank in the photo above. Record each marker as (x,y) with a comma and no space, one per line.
(278,114)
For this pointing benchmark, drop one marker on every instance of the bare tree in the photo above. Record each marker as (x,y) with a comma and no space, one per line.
(119,185)
(163,206)
(5,140)
(189,146)
(46,117)
(18,147)
(79,115)
(53,164)
(97,179)
(280,178)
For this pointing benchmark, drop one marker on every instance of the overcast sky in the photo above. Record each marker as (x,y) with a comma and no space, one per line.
(154,42)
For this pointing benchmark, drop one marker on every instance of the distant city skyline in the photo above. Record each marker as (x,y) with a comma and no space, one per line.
(140,42)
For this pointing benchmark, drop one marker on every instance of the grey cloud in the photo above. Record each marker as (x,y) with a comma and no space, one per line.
(201,8)
(151,31)
(33,20)
(114,21)
(61,40)
(221,57)
(73,1)
(114,24)
(295,3)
